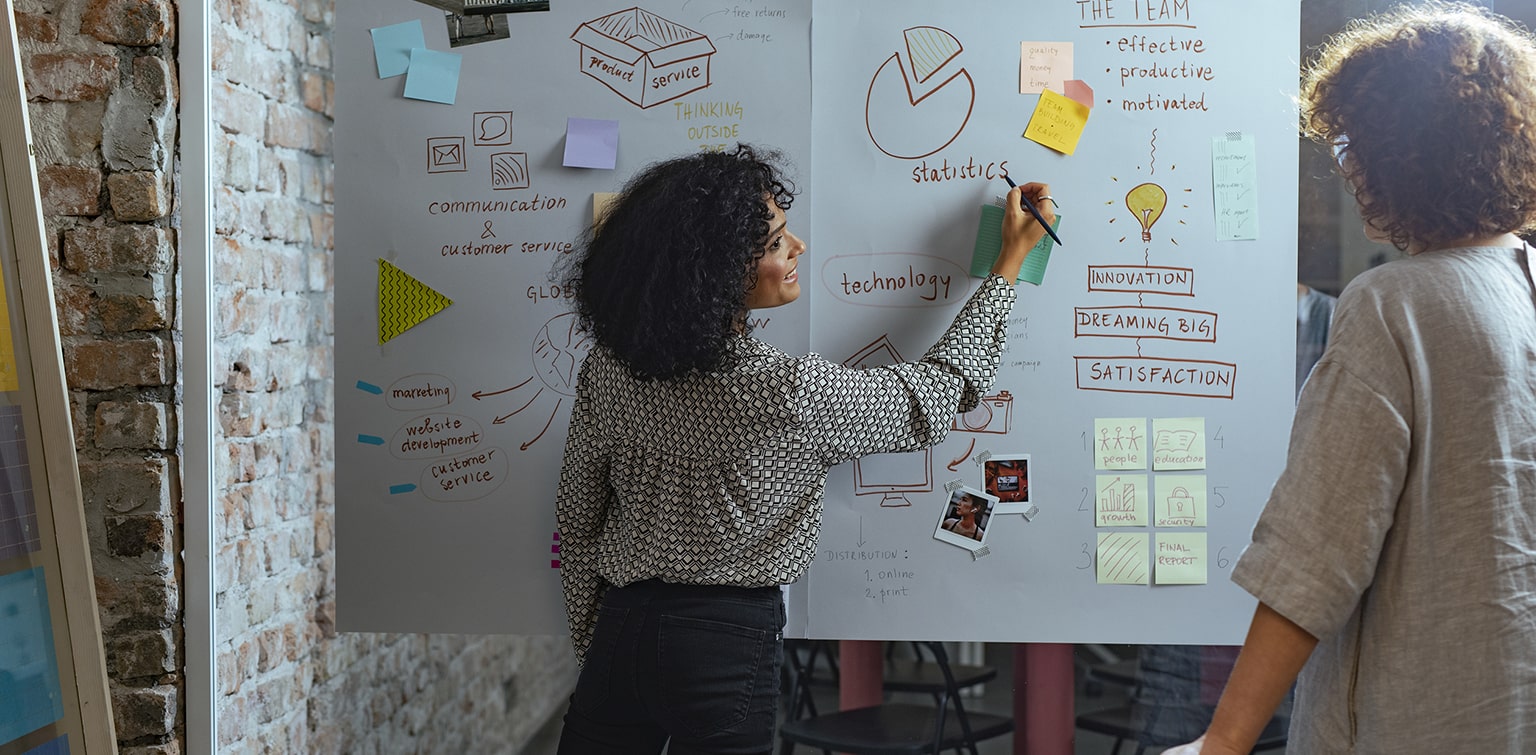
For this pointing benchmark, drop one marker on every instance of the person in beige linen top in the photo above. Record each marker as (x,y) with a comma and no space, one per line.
(1395,561)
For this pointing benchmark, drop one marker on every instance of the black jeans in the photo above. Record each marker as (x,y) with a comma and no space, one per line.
(696,664)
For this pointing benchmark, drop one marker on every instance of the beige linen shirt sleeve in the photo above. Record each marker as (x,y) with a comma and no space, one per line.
(1316,545)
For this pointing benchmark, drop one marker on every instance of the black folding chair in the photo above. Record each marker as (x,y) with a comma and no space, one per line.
(894,728)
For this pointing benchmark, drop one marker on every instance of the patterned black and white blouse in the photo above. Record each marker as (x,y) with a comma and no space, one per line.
(717,478)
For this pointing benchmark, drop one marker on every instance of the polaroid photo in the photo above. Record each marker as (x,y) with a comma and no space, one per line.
(1006,477)
(471,22)
(966,517)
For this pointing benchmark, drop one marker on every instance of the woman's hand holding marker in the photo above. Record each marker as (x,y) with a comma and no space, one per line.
(1021,230)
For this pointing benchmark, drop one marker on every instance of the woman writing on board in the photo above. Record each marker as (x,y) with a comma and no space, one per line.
(1394,560)
(693,473)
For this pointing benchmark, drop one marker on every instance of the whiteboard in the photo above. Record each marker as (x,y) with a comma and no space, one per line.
(917,114)
(449,434)
(1204,329)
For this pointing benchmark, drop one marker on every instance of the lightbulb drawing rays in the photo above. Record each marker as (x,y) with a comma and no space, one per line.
(1147,201)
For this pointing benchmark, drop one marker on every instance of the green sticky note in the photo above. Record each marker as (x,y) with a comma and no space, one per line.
(1180,558)
(989,244)
(1180,501)
(1120,443)
(1121,501)
(1122,558)
(1033,270)
(989,240)
(1178,443)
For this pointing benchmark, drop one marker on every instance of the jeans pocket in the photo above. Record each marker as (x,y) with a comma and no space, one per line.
(595,682)
(709,672)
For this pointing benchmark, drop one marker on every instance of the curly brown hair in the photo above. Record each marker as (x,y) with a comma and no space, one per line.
(663,280)
(1431,110)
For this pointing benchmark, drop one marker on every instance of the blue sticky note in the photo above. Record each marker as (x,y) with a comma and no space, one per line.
(591,143)
(30,697)
(59,746)
(392,47)
(433,76)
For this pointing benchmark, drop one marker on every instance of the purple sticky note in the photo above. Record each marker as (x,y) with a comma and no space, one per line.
(591,143)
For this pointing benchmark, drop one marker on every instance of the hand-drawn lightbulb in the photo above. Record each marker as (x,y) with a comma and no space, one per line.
(1146,202)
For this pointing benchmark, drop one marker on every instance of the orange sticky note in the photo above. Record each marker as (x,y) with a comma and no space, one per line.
(1057,123)
(601,202)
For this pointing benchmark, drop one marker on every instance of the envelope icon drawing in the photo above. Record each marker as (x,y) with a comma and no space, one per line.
(446,154)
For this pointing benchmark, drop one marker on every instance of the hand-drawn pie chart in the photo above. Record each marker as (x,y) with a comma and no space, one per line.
(919,103)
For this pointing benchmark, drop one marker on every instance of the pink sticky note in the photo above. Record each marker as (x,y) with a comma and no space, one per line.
(1079,91)
(1044,65)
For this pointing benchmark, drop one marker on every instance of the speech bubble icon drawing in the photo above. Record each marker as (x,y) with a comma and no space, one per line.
(493,129)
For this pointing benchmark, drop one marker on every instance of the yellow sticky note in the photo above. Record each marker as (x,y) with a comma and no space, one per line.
(10,376)
(1120,443)
(1122,558)
(1180,558)
(1178,443)
(601,201)
(1120,500)
(1179,501)
(1057,123)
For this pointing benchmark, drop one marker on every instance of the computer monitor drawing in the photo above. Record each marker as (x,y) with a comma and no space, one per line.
(890,476)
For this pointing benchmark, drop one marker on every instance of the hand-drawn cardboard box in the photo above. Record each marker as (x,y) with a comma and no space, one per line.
(643,57)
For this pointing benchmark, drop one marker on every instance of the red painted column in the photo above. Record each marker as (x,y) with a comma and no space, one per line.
(1043,691)
(862,667)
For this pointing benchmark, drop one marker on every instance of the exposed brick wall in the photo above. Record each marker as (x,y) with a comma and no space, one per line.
(102,98)
(287,681)
(100,77)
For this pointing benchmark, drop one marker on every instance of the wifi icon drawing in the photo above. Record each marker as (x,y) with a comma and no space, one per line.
(509,170)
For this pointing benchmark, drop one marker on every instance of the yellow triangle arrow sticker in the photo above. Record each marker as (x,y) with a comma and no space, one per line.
(404,302)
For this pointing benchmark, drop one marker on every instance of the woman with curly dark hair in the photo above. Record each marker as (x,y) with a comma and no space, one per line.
(693,473)
(1393,563)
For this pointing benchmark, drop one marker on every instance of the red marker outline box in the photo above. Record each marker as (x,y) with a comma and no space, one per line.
(643,57)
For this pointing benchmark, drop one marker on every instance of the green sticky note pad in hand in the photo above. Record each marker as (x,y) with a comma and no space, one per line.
(989,244)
